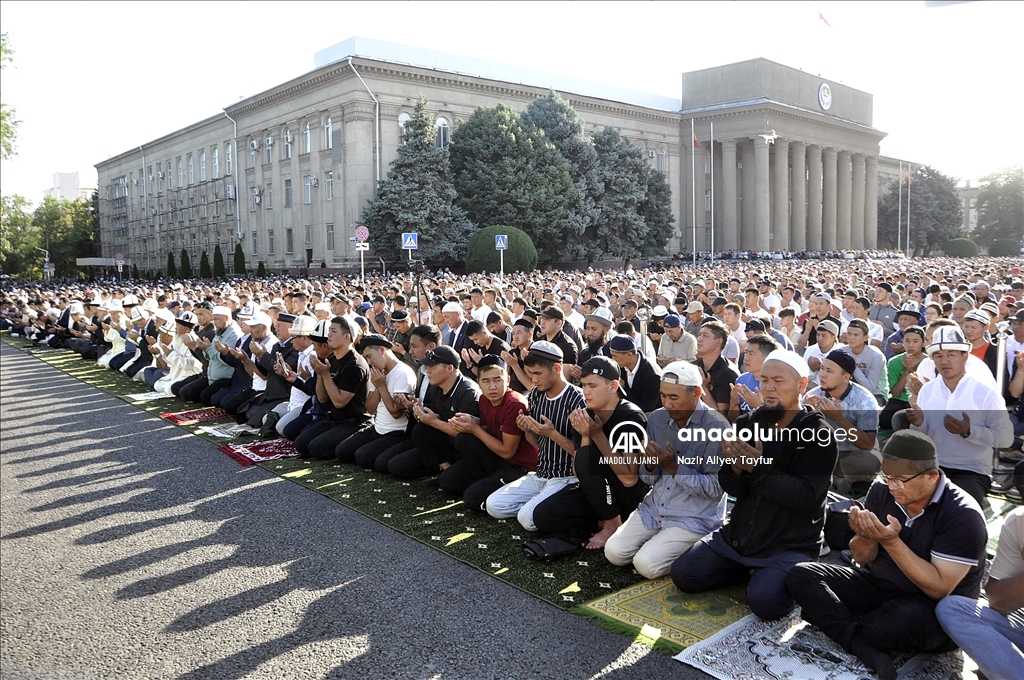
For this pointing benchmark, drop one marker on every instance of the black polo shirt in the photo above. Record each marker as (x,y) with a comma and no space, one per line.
(568,346)
(722,376)
(951,527)
(351,374)
(463,397)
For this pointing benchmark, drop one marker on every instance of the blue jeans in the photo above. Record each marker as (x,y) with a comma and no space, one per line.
(994,641)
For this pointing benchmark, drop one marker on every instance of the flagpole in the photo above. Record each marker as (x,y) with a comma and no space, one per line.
(693,178)
(712,193)
(910,181)
(899,219)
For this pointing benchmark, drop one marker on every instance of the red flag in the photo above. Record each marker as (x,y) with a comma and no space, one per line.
(825,20)
(910,180)
(696,144)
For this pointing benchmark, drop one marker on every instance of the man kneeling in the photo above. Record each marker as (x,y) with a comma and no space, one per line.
(609,486)
(918,539)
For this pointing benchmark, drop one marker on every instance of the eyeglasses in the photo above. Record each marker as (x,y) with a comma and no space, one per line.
(898,483)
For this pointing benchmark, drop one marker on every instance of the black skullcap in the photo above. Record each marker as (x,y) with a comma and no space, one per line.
(910,445)
(843,360)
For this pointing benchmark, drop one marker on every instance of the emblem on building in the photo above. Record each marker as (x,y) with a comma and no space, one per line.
(825,96)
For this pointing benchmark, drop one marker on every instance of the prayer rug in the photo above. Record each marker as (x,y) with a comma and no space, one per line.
(201,415)
(422,511)
(260,452)
(792,648)
(660,616)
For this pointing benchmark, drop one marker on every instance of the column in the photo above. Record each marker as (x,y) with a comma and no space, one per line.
(359,170)
(871,203)
(780,222)
(828,201)
(700,167)
(798,229)
(857,204)
(747,203)
(844,184)
(729,233)
(762,214)
(813,197)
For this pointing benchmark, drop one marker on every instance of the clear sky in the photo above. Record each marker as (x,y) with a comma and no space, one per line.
(94,79)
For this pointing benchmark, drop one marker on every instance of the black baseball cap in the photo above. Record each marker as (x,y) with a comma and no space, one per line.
(440,355)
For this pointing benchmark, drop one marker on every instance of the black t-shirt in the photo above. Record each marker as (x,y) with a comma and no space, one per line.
(568,347)
(351,374)
(463,397)
(624,410)
(722,376)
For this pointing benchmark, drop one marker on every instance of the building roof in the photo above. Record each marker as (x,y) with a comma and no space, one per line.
(395,53)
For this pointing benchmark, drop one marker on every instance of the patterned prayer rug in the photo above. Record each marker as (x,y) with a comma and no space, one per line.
(657,614)
(197,416)
(260,452)
(792,648)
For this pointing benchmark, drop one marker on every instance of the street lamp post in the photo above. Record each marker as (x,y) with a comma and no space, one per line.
(47,272)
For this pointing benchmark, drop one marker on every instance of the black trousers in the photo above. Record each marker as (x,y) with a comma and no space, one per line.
(476,495)
(430,447)
(891,408)
(365,445)
(844,602)
(975,484)
(322,437)
(599,495)
(123,358)
(233,403)
(476,462)
(190,388)
(295,427)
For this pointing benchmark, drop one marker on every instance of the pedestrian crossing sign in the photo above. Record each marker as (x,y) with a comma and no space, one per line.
(501,241)
(410,241)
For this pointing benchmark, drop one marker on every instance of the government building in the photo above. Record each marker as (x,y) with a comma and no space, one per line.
(794,163)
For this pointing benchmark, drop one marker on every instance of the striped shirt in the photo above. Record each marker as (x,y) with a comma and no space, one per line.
(552,460)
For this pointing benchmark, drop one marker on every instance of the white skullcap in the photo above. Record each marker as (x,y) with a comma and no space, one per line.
(791,359)
(452,307)
(221,310)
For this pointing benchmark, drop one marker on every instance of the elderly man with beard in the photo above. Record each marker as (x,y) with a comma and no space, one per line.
(779,470)
(596,331)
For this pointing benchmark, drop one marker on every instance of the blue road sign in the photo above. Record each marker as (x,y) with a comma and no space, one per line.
(410,241)
(501,241)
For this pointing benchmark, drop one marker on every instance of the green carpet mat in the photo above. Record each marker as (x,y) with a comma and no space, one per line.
(427,514)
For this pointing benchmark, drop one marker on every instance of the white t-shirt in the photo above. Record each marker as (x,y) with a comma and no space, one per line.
(813,351)
(400,379)
(297,398)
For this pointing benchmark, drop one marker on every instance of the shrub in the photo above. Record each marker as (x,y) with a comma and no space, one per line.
(521,255)
(961,247)
(1004,247)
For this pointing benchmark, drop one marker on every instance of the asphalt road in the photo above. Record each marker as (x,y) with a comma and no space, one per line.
(132,549)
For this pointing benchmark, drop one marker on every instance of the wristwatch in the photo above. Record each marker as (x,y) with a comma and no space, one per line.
(965,435)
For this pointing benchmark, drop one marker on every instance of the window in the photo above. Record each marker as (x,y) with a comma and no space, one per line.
(216,162)
(191,170)
(227,158)
(149,173)
(287,144)
(269,196)
(330,236)
(309,236)
(305,138)
(181,177)
(270,150)
(255,248)
(169,174)
(270,241)
(160,178)
(307,195)
(403,120)
(707,200)
(287,193)
(252,153)
(660,165)
(255,193)
(328,185)
(289,241)
(328,134)
(443,132)
(202,165)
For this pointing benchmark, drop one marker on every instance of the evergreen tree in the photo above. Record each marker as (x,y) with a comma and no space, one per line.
(563,127)
(261,270)
(172,269)
(135,271)
(506,173)
(623,172)
(204,267)
(185,270)
(418,196)
(936,212)
(218,263)
(656,210)
(239,263)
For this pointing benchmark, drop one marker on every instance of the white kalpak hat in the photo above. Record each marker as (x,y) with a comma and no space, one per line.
(948,338)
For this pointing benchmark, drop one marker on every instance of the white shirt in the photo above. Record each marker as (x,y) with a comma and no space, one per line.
(400,380)
(576,319)
(976,368)
(990,423)
(259,384)
(480,313)
(297,398)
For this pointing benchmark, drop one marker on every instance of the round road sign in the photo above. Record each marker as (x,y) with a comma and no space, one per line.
(362,233)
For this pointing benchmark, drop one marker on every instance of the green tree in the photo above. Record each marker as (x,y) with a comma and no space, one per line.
(19,237)
(261,270)
(656,210)
(521,255)
(218,263)
(506,173)
(135,271)
(935,213)
(563,127)
(1001,206)
(172,269)
(418,196)
(69,230)
(8,123)
(185,268)
(1004,247)
(239,263)
(623,172)
(204,267)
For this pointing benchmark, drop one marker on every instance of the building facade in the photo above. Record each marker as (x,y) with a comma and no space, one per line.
(287,172)
(66,186)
